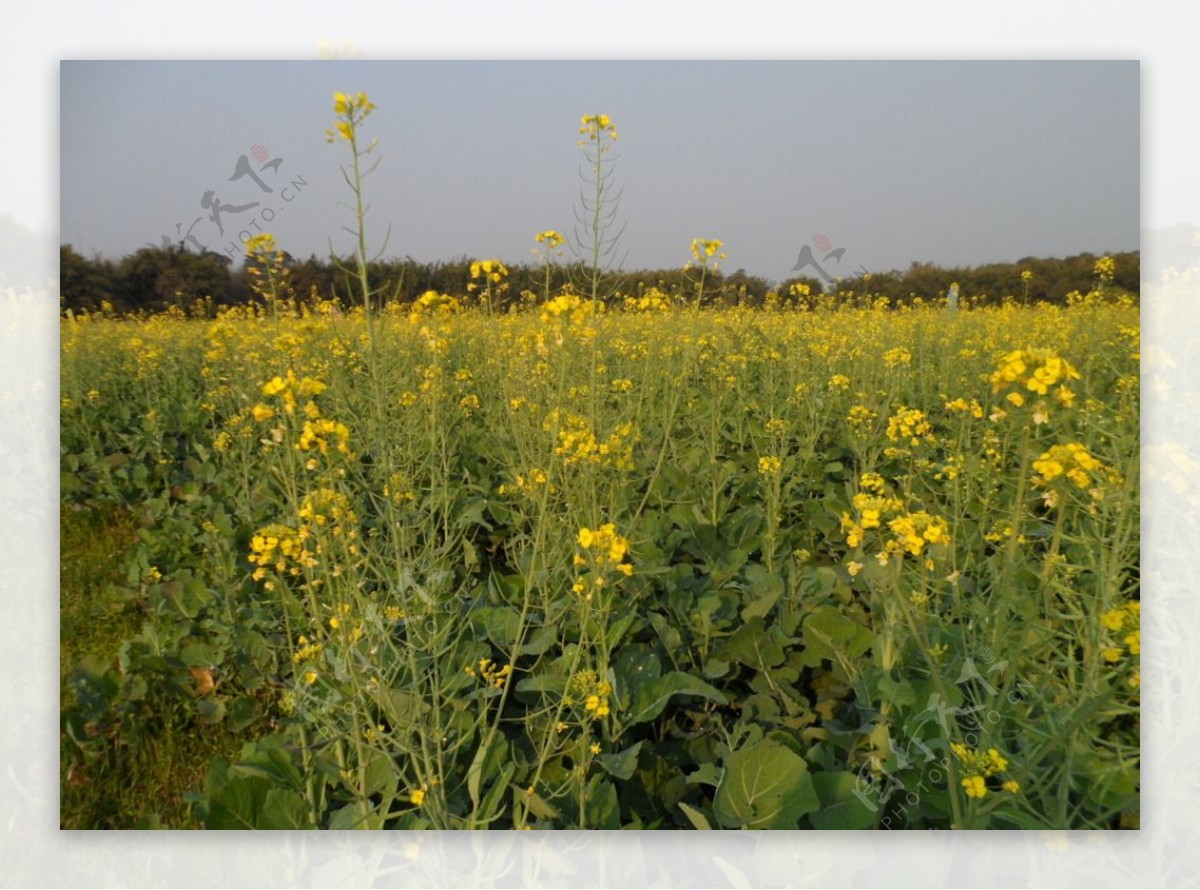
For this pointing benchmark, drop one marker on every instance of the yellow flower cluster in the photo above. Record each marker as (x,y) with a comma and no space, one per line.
(860,416)
(1036,370)
(1001,531)
(549,237)
(769,466)
(588,687)
(399,489)
(351,110)
(595,126)
(290,550)
(1126,621)
(914,530)
(528,482)
(911,532)
(897,357)
(651,300)
(572,306)
(492,674)
(604,551)
(349,631)
(260,244)
(705,249)
(910,424)
(607,547)
(870,510)
(282,548)
(961,405)
(326,507)
(490,271)
(288,389)
(979,766)
(577,442)
(433,302)
(317,434)
(1071,461)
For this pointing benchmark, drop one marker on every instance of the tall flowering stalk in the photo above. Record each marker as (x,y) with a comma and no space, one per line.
(350,113)
(596,215)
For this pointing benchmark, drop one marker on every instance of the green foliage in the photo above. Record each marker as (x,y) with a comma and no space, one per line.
(754,668)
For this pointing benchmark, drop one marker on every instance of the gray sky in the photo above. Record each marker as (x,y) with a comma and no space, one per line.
(958,163)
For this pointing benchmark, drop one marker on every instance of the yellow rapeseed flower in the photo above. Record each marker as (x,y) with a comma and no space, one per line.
(975,785)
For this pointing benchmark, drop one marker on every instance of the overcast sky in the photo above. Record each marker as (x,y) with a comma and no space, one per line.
(958,163)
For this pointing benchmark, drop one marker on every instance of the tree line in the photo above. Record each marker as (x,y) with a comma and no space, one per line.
(156,278)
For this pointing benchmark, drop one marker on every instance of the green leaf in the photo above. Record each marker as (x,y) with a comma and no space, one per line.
(601,807)
(499,623)
(623,764)
(756,646)
(470,554)
(487,810)
(284,809)
(697,818)
(198,655)
(635,670)
(236,804)
(535,803)
(764,786)
(830,635)
(766,589)
(380,776)
(540,640)
(242,712)
(841,808)
(345,818)
(210,710)
(251,803)
(715,667)
(487,760)
(649,700)
(898,694)
(267,759)
(708,774)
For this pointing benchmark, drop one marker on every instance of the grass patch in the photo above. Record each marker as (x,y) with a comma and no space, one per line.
(107,782)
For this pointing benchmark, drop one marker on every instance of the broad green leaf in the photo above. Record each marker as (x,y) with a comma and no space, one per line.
(764,786)
(601,807)
(650,699)
(499,623)
(540,640)
(381,777)
(623,764)
(251,803)
(708,774)
(284,810)
(266,759)
(764,589)
(830,635)
(841,808)
(755,645)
